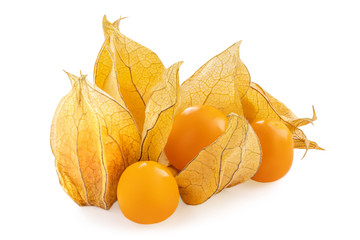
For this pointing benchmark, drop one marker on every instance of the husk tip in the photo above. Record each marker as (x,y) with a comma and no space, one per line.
(105,20)
(304,154)
(314,115)
(178,64)
(82,76)
(72,77)
(115,24)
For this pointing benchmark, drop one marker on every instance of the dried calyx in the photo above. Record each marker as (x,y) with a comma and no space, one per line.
(98,131)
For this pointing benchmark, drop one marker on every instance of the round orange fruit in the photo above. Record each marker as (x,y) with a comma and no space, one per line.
(147,192)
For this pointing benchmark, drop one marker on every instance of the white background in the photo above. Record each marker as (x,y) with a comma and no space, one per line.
(304,53)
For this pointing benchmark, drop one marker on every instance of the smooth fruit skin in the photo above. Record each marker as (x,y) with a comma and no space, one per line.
(277,150)
(147,192)
(193,129)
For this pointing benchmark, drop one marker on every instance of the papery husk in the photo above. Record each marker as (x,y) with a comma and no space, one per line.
(259,105)
(236,155)
(220,83)
(136,77)
(127,71)
(93,139)
(232,159)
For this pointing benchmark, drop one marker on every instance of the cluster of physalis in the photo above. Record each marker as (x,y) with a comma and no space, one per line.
(137,137)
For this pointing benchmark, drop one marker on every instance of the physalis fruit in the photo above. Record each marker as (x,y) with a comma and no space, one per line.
(147,192)
(193,129)
(277,147)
